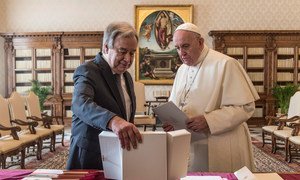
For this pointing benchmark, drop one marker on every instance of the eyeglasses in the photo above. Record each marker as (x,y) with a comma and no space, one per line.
(123,52)
(188,45)
(184,47)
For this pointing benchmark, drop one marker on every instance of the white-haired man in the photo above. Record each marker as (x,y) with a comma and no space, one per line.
(104,98)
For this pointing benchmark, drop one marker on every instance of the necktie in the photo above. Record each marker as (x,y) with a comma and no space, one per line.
(119,85)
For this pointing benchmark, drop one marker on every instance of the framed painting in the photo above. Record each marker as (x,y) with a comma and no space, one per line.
(156,59)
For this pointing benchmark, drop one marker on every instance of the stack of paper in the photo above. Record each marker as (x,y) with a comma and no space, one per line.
(44,174)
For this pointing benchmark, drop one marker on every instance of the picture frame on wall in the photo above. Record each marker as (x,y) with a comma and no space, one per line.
(156,59)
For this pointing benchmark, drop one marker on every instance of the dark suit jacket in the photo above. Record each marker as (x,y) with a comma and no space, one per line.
(95,101)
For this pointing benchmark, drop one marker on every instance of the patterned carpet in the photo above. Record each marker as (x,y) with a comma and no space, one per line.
(264,160)
(51,160)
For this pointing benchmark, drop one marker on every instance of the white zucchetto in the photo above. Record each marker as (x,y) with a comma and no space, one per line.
(189,27)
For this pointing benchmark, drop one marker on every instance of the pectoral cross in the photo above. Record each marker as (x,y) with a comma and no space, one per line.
(182,103)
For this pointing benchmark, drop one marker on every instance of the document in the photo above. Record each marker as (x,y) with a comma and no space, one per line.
(170,113)
(244,173)
(44,174)
(202,178)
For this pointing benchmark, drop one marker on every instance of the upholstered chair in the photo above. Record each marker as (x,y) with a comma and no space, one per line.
(10,143)
(18,114)
(142,118)
(34,112)
(282,134)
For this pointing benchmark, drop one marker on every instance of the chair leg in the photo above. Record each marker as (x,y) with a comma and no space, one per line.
(3,160)
(145,127)
(54,142)
(63,138)
(39,149)
(263,138)
(273,144)
(290,153)
(22,160)
(286,149)
(154,127)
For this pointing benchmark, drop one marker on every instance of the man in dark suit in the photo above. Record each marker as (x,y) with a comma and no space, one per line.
(100,103)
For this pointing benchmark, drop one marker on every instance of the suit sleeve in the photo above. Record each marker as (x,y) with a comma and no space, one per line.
(83,104)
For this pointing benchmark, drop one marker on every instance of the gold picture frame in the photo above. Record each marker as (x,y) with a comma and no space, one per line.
(156,59)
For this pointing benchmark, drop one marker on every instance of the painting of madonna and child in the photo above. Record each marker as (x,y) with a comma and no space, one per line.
(157,58)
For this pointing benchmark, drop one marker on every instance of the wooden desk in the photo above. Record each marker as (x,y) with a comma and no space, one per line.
(99,175)
(82,174)
(74,174)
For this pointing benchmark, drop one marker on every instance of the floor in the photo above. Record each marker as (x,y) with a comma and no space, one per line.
(255,132)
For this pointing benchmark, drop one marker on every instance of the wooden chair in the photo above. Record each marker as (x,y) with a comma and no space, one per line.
(18,113)
(142,118)
(27,134)
(273,125)
(10,144)
(294,139)
(293,117)
(294,142)
(34,112)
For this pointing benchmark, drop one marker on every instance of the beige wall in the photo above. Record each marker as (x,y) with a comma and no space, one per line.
(2,70)
(94,15)
(2,28)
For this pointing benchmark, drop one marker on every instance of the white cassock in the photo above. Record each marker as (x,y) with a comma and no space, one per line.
(218,88)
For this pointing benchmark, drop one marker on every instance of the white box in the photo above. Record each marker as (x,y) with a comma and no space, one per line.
(178,153)
(148,161)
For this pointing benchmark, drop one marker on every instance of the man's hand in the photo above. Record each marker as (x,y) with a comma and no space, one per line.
(127,132)
(197,124)
(167,127)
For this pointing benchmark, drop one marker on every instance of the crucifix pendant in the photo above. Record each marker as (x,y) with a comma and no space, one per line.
(182,103)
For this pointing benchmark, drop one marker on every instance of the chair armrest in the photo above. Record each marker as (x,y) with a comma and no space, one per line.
(292,119)
(30,124)
(296,128)
(54,117)
(46,122)
(272,119)
(44,113)
(283,122)
(46,116)
(13,130)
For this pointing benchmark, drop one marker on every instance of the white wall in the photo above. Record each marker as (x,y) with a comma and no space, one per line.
(94,15)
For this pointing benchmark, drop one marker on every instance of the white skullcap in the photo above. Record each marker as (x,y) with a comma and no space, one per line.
(189,27)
